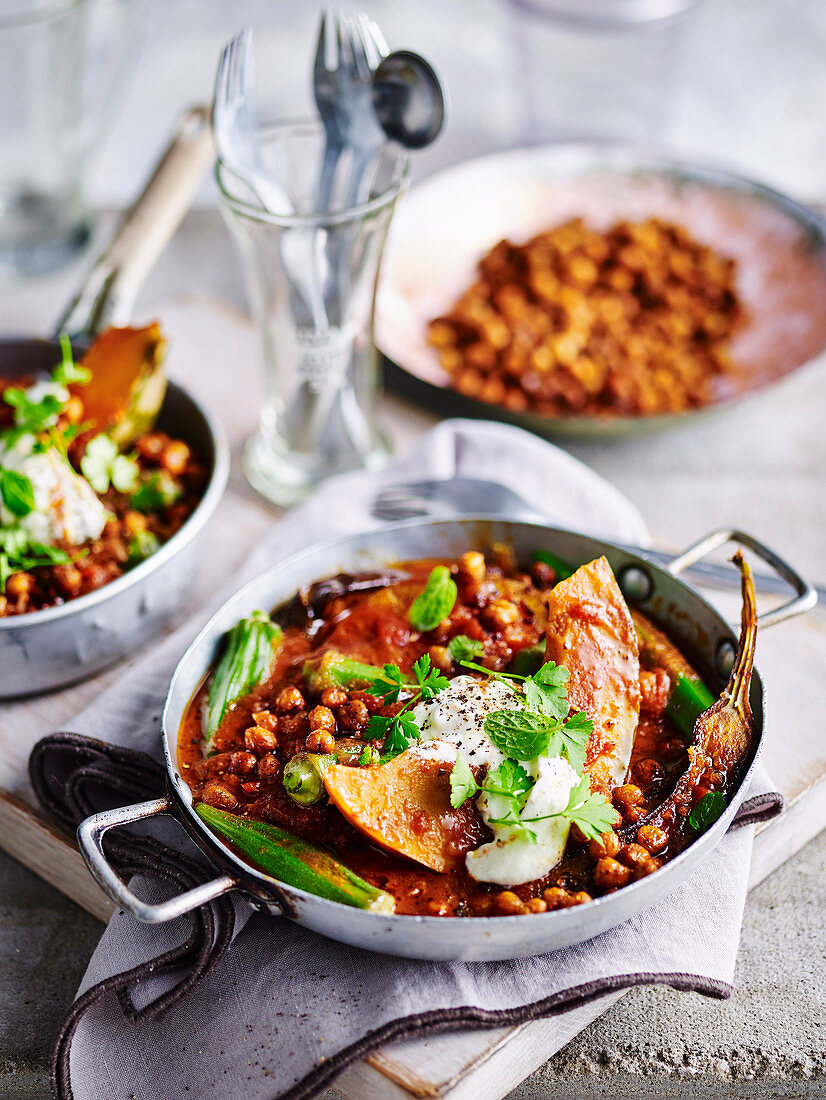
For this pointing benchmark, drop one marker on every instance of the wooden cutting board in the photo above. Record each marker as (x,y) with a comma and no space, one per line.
(214,352)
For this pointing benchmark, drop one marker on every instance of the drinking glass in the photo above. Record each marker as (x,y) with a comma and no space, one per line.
(311,282)
(597,70)
(62,66)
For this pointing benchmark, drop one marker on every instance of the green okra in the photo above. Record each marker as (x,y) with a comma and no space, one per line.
(250,651)
(295,862)
(563,569)
(333,669)
(689,699)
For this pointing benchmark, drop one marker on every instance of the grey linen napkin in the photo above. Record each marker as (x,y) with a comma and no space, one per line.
(284,1010)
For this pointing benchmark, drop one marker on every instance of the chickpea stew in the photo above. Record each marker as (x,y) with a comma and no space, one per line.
(88,487)
(469,737)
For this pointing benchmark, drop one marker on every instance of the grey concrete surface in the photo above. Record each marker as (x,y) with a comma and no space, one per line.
(767,1041)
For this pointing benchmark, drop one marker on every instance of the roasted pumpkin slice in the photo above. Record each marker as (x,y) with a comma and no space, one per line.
(127,386)
(404,806)
(590,631)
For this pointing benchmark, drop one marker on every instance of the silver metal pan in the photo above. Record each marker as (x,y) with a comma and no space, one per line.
(659,592)
(60,645)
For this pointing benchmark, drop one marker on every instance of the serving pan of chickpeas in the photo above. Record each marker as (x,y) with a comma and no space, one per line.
(587,290)
(460,740)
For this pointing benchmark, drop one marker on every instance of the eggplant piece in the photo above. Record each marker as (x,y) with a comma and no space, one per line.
(308,603)
(723,734)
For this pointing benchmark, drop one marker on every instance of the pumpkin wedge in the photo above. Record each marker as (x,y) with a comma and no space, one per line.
(404,806)
(127,385)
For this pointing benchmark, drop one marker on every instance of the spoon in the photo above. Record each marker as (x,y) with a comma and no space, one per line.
(408,99)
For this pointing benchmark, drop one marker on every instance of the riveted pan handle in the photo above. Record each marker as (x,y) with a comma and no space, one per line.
(90,836)
(806,596)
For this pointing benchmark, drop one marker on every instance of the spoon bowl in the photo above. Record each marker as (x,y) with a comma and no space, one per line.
(408,99)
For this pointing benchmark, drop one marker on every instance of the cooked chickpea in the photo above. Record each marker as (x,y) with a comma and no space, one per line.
(268,767)
(472,566)
(334,697)
(242,763)
(354,715)
(542,575)
(135,522)
(174,457)
(633,814)
(672,748)
(607,845)
(629,794)
(655,689)
(581,897)
(556,898)
(648,867)
(647,772)
(219,795)
(538,905)
(19,585)
(653,838)
(508,903)
(289,698)
(151,445)
(320,740)
(501,613)
(440,658)
(68,579)
(633,855)
(610,873)
(260,740)
(322,718)
(266,720)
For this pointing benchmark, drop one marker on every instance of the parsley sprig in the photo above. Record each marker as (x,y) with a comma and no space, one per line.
(400,731)
(593,814)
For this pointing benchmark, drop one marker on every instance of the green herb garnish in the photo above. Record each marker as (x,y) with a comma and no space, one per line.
(462,783)
(142,546)
(436,600)
(67,370)
(103,464)
(707,810)
(156,491)
(592,813)
(461,648)
(400,731)
(17,492)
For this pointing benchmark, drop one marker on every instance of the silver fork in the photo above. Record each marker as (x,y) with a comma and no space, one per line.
(465,496)
(348,50)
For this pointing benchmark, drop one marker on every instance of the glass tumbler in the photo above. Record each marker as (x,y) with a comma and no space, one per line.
(311,282)
(597,70)
(62,66)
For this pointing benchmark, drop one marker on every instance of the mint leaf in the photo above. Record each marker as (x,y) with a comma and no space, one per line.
(461,648)
(546,690)
(707,810)
(17,492)
(520,734)
(462,783)
(436,601)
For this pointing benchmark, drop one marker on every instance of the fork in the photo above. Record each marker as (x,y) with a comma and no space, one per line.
(466,496)
(348,50)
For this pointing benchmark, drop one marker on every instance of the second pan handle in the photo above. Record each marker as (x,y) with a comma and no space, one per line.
(108,295)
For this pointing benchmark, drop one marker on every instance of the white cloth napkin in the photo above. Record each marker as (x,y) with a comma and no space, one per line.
(285,1010)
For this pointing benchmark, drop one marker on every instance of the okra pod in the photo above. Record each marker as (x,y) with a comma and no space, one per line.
(336,670)
(248,657)
(293,861)
(304,777)
(529,660)
(689,699)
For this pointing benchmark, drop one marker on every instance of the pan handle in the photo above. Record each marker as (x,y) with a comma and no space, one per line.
(806,596)
(90,836)
(108,295)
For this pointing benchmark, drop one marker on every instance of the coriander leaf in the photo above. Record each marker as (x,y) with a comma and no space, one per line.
(430,680)
(142,546)
(376,728)
(33,416)
(156,491)
(97,461)
(124,472)
(510,780)
(707,810)
(592,813)
(461,648)
(17,492)
(366,756)
(503,676)
(68,371)
(520,734)
(572,740)
(462,783)
(389,686)
(402,733)
(545,691)
(436,601)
